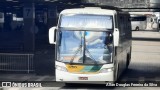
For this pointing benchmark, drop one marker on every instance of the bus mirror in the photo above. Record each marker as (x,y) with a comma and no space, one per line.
(116,37)
(52,33)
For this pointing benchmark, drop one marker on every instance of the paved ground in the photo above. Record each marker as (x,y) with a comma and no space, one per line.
(144,66)
(145,63)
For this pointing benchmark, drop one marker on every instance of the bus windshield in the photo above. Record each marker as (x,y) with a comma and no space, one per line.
(87,47)
(86,21)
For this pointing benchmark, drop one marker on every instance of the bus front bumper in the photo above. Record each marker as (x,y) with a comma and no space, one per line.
(62,76)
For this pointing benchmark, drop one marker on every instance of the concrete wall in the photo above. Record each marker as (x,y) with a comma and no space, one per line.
(122,3)
(134,4)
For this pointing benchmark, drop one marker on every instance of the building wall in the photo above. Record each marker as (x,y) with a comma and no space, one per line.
(122,3)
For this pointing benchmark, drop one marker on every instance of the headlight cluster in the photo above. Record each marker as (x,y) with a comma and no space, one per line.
(61,68)
(105,70)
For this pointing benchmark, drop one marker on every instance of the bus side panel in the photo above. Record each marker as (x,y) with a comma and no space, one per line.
(124,26)
(120,48)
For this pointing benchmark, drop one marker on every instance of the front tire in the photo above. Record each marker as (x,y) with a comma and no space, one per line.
(116,75)
(137,28)
(128,59)
(127,62)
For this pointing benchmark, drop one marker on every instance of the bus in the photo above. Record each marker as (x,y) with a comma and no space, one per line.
(144,21)
(138,22)
(93,45)
(152,22)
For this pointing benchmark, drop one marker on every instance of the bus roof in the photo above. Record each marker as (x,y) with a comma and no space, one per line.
(89,10)
(141,13)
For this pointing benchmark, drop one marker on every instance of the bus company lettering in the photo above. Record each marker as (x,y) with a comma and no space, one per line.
(72,66)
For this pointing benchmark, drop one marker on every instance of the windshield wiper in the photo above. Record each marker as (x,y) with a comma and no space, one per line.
(91,56)
(76,52)
(72,59)
(84,49)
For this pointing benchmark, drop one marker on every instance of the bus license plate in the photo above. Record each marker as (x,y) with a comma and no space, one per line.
(83,78)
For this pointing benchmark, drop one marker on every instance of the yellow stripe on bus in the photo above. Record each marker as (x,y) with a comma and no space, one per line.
(74,68)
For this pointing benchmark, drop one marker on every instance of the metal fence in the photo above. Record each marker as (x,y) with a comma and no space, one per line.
(16,62)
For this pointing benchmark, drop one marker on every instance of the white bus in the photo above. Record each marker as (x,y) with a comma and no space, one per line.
(143,21)
(138,22)
(152,22)
(93,45)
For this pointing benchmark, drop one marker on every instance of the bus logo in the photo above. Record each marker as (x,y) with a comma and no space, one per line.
(72,66)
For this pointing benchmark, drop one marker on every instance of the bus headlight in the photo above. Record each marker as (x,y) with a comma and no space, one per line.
(105,70)
(61,68)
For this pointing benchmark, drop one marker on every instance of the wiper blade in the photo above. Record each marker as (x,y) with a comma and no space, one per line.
(91,55)
(80,47)
(84,49)
(72,59)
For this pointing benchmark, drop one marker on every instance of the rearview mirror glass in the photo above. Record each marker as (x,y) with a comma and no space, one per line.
(52,34)
(116,37)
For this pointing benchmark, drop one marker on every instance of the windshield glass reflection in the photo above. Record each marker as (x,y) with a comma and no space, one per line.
(89,47)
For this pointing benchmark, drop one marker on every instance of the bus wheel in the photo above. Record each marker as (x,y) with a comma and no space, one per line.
(137,28)
(128,60)
(116,75)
